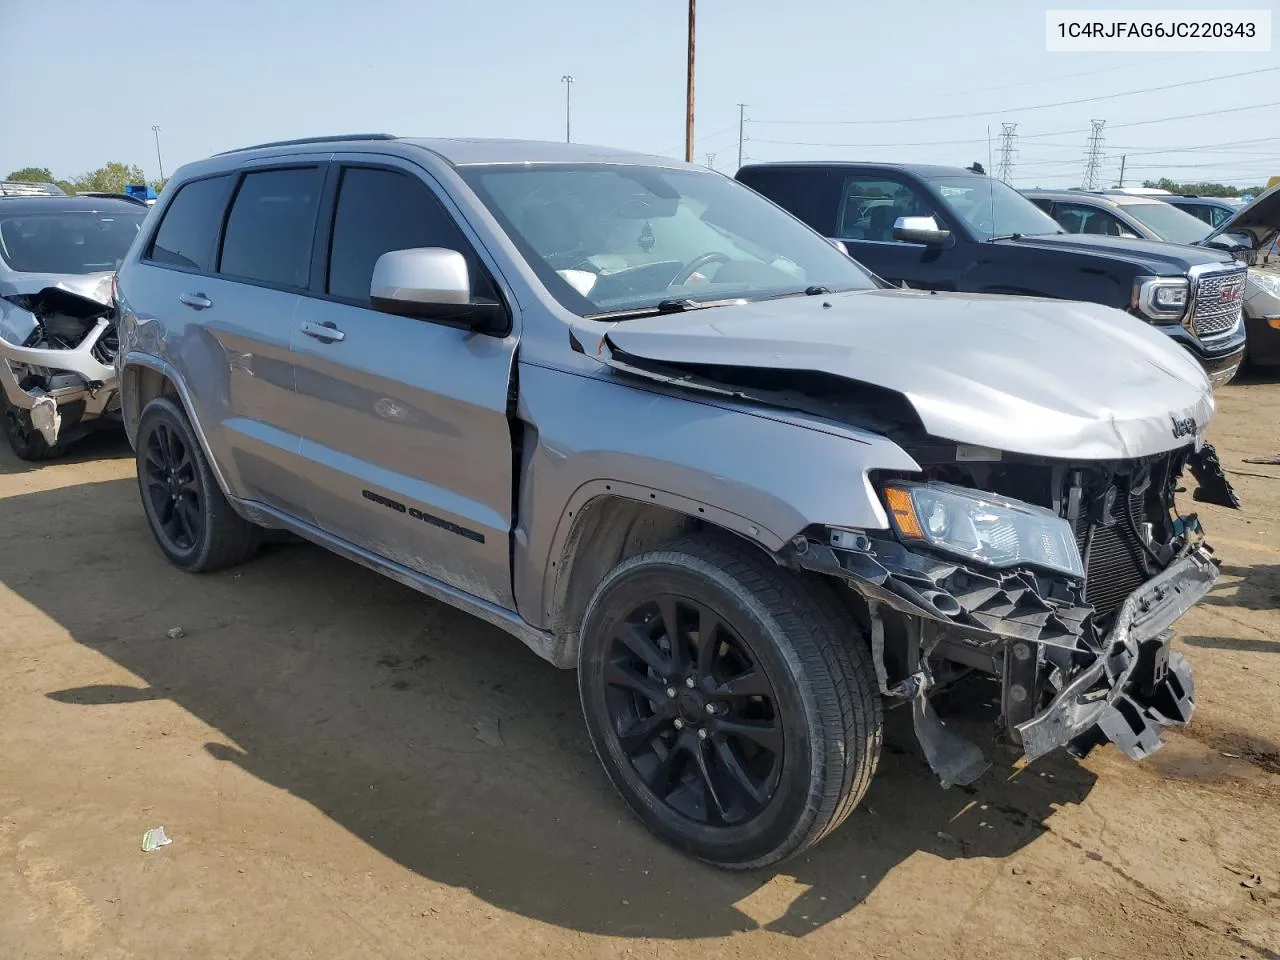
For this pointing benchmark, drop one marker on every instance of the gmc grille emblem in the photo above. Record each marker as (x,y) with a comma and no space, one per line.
(1184,426)
(1231,293)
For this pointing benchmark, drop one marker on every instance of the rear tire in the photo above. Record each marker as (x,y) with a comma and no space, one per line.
(25,440)
(746,750)
(193,523)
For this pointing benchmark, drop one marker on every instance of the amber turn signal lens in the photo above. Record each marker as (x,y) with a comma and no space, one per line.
(904,513)
(1273,323)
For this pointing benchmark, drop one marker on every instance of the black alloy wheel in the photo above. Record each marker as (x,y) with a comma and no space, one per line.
(172,488)
(694,713)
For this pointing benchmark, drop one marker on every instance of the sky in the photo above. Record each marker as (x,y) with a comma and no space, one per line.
(84,82)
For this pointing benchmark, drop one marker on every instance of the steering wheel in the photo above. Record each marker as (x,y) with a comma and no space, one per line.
(696,264)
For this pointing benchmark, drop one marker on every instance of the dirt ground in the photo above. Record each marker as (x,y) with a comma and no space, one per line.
(350,770)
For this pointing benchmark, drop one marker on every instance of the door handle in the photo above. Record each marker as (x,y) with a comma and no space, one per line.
(327,331)
(196,301)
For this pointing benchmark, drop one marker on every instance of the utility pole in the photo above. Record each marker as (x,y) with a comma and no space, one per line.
(742,118)
(568,85)
(688,103)
(1093,160)
(1123,158)
(155,128)
(1008,135)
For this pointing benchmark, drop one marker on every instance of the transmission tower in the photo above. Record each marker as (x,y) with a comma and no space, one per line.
(711,160)
(1008,134)
(1093,159)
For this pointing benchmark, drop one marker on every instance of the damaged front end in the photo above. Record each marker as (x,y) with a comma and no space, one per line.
(1072,612)
(57,374)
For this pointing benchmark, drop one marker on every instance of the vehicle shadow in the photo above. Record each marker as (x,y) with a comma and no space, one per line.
(1257,587)
(104,444)
(453,750)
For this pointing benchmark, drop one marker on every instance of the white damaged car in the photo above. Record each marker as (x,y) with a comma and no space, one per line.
(58,339)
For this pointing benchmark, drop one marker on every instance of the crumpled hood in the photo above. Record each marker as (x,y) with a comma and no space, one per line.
(95,286)
(1043,377)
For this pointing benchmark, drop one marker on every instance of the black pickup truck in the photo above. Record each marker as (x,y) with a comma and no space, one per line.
(946,228)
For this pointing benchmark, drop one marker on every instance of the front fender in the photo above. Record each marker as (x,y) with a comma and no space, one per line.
(765,474)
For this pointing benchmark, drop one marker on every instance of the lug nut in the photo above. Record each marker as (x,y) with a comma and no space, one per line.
(678,723)
(690,682)
(671,693)
(711,708)
(702,734)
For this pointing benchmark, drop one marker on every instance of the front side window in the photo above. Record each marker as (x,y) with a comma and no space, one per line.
(870,207)
(611,238)
(70,242)
(379,211)
(1168,222)
(271,225)
(190,225)
(991,208)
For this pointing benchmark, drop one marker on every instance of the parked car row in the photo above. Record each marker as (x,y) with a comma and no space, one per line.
(645,421)
(1249,234)
(944,228)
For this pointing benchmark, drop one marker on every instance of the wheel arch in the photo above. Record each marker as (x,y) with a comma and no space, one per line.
(142,379)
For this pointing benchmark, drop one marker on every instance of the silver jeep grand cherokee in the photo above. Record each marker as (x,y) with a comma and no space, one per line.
(656,428)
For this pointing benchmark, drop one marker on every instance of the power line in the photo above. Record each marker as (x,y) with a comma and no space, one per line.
(1039,106)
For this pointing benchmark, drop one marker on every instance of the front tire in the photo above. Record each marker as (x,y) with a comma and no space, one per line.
(25,440)
(191,520)
(731,702)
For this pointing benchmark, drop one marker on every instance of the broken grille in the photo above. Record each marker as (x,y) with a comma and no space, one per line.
(1218,300)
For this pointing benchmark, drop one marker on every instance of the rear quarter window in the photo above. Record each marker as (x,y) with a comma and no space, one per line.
(813,194)
(189,230)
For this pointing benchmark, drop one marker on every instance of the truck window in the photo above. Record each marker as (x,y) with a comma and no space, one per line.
(270,228)
(870,206)
(381,210)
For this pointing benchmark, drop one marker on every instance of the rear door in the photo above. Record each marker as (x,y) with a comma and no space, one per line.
(224,270)
(406,437)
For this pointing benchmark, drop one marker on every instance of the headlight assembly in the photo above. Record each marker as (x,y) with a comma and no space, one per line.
(982,527)
(1161,298)
(1270,282)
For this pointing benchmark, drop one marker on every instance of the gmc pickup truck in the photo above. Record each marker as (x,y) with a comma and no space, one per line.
(945,228)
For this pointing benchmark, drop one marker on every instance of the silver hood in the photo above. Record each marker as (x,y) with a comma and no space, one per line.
(1042,377)
(94,286)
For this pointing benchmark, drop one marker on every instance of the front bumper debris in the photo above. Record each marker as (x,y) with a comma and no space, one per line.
(1136,685)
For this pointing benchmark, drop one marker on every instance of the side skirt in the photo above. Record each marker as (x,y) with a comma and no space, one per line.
(540,642)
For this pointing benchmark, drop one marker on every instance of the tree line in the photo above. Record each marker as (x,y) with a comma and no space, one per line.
(1202,189)
(109,178)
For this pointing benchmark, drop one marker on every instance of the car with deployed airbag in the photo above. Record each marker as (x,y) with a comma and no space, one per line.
(659,430)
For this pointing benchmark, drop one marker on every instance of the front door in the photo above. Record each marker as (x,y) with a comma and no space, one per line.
(406,439)
(870,204)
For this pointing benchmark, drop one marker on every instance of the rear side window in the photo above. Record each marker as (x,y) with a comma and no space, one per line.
(190,225)
(271,225)
(812,194)
(379,211)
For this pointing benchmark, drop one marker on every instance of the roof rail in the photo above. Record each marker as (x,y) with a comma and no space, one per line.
(336,138)
(107,195)
(29,188)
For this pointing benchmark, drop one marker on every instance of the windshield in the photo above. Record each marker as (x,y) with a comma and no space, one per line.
(68,242)
(616,238)
(1168,221)
(992,208)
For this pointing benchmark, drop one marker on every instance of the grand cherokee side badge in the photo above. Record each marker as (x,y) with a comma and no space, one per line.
(1184,426)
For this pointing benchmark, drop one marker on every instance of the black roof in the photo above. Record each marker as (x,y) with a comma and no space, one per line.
(923,170)
(38,204)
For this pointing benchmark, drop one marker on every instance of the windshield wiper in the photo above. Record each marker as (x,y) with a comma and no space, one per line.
(666,306)
(1006,236)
